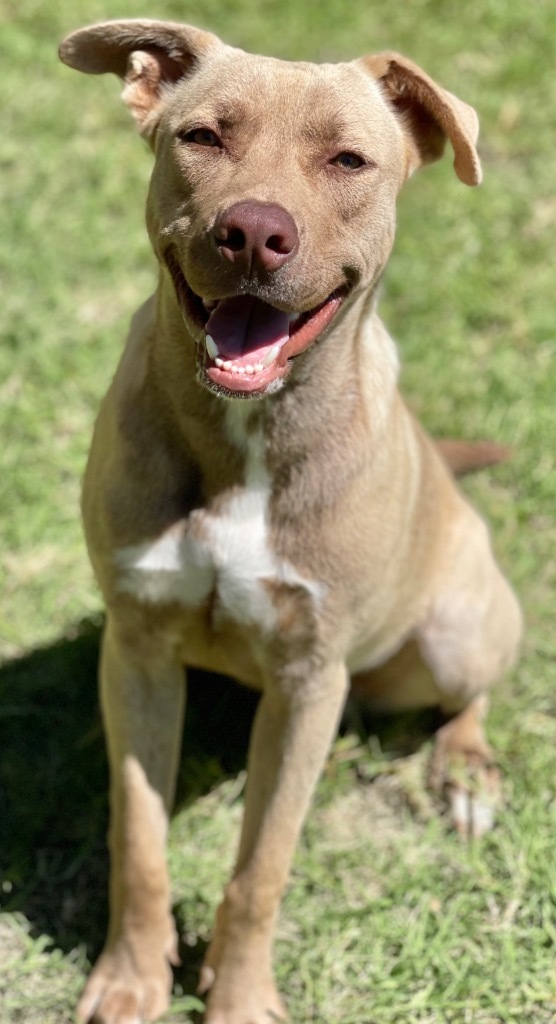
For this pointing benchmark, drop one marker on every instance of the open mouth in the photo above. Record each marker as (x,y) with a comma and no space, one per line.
(246,343)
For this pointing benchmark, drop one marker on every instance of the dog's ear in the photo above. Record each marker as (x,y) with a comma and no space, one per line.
(429,113)
(149,55)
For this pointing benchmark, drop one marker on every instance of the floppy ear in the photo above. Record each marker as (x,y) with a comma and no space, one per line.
(148,55)
(430,114)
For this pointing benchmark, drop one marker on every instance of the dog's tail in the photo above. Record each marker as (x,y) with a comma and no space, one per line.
(467,456)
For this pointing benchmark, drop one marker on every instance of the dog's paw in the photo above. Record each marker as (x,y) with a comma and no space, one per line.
(255,1005)
(127,986)
(469,783)
(237,997)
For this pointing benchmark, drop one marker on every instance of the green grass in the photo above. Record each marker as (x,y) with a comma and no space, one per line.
(388,917)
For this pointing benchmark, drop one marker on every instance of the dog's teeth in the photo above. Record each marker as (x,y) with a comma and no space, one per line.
(234,368)
(249,368)
(271,355)
(258,367)
(212,347)
(294,317)
(227,364)
(219,362)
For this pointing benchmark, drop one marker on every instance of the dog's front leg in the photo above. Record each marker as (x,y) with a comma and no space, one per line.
(293,730)
(142,691)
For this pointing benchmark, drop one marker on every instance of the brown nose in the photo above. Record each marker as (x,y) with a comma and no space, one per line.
(254,235)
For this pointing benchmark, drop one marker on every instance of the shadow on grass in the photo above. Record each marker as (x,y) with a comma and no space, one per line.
(54,779)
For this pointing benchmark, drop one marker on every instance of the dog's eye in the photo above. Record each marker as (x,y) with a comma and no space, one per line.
(201,137)
(348,161)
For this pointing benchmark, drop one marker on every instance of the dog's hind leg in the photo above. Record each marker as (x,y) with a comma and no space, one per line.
(469,638)
(292,734)
(142,691)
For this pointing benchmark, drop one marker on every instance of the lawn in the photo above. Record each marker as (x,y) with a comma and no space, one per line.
(388,918)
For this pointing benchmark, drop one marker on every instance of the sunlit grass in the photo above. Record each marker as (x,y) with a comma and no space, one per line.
(388,918)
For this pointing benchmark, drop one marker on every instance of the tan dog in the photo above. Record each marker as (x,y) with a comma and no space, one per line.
(258,500)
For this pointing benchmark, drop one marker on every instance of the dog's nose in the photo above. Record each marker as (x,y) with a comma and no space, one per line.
(256,235)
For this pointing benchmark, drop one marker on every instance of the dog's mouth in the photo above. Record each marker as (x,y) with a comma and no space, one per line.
(245,343)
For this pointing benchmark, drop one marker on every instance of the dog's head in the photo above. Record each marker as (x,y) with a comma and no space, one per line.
(272,200)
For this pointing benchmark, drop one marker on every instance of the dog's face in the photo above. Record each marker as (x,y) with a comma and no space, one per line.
(272,201)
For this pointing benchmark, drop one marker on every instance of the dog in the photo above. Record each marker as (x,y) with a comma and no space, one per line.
(258,499)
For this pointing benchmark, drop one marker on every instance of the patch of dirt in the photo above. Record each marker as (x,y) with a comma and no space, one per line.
(376,813)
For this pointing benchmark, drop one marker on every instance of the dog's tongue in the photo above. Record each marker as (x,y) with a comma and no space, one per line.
(245,328)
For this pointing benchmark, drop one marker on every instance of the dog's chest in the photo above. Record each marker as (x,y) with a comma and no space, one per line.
(224,559)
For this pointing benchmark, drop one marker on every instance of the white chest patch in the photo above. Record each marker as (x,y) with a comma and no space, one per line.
(231,555)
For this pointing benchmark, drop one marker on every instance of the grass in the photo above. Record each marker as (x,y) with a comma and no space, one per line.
(388,917)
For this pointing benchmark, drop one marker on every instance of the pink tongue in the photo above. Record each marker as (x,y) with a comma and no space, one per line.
(245,328)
